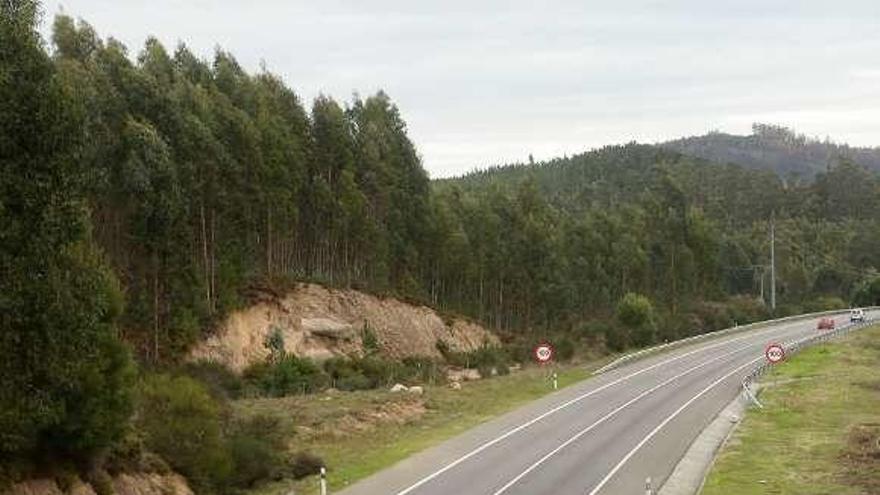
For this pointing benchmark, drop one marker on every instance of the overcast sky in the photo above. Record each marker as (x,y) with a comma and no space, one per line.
(488,82)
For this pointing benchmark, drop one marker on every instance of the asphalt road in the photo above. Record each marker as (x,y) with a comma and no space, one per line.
(604,435)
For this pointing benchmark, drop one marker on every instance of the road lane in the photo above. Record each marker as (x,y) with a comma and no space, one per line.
(570,441)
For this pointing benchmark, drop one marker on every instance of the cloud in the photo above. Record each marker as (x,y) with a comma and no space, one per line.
(492,81)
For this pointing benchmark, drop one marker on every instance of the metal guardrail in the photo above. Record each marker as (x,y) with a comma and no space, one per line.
(795,347)
(718,333)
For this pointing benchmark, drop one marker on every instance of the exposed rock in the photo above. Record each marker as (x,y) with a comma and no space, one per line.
(151,484)
(416,390)
(455,385)
(320,323)
(399,387)
(123,484)
(325,327)
(462,375)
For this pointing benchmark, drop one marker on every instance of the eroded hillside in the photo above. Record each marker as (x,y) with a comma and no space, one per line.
(319,323)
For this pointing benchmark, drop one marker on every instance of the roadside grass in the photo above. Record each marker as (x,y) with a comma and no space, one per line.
(360,433)
(819,430)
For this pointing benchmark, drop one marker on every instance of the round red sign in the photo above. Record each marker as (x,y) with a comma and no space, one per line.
(543,352)
(775,353)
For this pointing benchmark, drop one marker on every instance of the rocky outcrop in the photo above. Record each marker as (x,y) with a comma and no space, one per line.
(122,484)
(320,323)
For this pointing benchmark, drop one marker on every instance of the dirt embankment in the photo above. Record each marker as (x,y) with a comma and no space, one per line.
(123,484)
(318,322)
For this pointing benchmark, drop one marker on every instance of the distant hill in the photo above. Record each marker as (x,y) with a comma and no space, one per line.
(775,148)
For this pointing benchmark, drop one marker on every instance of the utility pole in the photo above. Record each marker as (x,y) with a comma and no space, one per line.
(773,262)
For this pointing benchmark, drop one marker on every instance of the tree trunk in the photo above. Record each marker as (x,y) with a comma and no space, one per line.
(206,262)
(155,306)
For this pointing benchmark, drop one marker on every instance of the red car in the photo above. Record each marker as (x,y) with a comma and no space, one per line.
(826,324)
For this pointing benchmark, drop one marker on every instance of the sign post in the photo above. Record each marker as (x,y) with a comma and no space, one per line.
(775,354)
(543,354)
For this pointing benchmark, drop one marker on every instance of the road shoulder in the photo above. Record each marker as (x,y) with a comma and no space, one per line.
(819,430)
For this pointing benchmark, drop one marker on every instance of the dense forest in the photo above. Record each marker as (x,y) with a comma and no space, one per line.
(562,242)
(145,196)
(793,156)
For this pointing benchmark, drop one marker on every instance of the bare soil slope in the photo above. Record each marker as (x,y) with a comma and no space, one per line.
(319,323)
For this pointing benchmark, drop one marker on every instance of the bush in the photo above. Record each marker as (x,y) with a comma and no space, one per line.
(222,382)
(305,464)
(289,376)
(617,339)
(825,303)
(422,370)
(635,310)
(368,337)
(564,349)
(345,375)
(256,446)
(637,313)
(746,309)
(181,422)
(867,292)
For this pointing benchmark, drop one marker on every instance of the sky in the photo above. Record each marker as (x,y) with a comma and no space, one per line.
(488,82)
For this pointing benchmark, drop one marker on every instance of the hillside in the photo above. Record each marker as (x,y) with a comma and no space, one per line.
(146,197)
(320,323)
(777,149)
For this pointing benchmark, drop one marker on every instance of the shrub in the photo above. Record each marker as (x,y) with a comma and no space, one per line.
(289,376)
(274,342)
(635,310)
(368,337)
(181,422)
(867,292)
(222,382)
(564,349)
(305,464)
(256,446)
(746,309)
(618,339)
(824,303)
(422,369)
(637,313)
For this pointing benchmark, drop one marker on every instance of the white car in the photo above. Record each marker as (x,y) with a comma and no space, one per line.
(857,316)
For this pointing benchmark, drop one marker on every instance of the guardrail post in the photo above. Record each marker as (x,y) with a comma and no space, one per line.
(648,489)
(323,480)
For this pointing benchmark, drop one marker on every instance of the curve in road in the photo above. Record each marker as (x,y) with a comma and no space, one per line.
(604,435)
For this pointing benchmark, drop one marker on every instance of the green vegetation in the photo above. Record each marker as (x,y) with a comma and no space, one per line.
(774,148)
(348,430)
(65,379)
(144,197)
(209,184)
(818,431)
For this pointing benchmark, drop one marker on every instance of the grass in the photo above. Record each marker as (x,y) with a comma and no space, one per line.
(819,430)
(360,433)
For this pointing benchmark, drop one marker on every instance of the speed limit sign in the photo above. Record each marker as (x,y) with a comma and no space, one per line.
(543,352)
(775,353)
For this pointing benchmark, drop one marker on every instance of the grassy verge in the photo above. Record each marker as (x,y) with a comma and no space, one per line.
(360,433)
(819,430)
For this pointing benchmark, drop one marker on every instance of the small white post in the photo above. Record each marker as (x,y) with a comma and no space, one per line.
(323,480)
(555,381)
(648,490)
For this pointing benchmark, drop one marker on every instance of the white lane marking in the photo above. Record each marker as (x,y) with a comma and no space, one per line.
(577,399)
(665,422)
(611,414)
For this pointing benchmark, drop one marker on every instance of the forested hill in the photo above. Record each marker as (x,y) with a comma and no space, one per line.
(567,239)
(775,148)
(145,196)
(205,182)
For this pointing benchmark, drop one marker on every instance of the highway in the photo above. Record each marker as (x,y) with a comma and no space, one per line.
(604,435)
